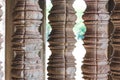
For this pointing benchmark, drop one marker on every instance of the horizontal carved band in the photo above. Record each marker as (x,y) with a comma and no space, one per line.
(61,64)
(96,18)
(27,41)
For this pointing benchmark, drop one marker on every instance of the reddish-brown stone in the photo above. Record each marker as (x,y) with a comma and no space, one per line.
(62,18)
(115,41)
(96,18)
(27,65)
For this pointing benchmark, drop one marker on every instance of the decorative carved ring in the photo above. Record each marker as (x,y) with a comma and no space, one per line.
(27,65)
(96,18)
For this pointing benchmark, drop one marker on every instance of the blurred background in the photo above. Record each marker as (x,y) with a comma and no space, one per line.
(2,30)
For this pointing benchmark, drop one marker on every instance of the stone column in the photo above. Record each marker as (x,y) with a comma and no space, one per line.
(115,41)
(61,65)
(27,40)
(96,18)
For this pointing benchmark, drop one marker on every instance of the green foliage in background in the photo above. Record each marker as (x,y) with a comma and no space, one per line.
(48,27)
(79,29)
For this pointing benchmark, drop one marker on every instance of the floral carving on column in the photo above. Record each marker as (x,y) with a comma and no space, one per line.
(27,40)
(1,40)
(115,41)
(96,18)
(61,65)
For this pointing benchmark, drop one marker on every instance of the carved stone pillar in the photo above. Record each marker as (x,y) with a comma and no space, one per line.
(1,73)
(62,18)
(27,64)
(115,61)
(95,64)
